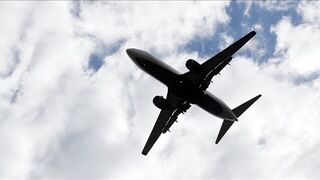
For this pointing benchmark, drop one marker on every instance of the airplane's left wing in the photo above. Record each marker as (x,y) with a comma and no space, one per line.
(161,122)
(216,60)
(215,64)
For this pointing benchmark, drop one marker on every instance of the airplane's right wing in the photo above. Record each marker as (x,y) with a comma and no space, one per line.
(157,130)
(161,123)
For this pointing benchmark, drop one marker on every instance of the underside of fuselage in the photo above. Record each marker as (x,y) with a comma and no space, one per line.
(180,85)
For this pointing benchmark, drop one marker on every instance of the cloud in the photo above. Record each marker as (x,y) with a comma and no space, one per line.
(272,6)
(141,25)
(12,33)
(309,12)
(67,121)
(296,44)
(285,119)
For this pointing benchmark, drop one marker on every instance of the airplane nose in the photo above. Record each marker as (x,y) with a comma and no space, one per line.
(131,53)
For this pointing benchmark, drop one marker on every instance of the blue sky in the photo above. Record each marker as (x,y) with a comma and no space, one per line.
(240,24)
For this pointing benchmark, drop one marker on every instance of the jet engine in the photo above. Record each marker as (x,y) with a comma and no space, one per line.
(192,65)
(161,102)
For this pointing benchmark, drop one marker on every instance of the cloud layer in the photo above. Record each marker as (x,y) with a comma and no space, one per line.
(59,118)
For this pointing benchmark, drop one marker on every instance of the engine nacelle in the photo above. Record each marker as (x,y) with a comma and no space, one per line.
(161,103)
(193,65)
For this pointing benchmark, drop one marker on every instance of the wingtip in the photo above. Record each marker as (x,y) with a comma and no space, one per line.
(253,33)
(257,97)
(218,140)
(144,152)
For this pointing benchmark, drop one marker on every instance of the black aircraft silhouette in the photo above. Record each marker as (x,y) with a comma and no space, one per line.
(189,88)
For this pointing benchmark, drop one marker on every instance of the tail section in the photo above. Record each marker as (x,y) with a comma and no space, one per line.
(237,111)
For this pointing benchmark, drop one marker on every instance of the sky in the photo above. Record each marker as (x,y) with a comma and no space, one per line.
(73,105)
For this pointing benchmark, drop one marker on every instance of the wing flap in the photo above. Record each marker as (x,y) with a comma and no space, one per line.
(157,130)
(222,65)
(162,120)
(207,80)
(182,108)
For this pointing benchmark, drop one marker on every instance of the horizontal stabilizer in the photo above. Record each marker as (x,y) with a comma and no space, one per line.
(243,107)
(226,124)
(224,128)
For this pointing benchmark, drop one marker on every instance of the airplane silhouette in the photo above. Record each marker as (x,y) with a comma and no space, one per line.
(189,88)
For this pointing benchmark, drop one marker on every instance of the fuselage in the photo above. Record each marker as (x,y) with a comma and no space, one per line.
(180,85)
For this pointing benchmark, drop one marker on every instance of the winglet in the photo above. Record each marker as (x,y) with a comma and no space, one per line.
(237,111)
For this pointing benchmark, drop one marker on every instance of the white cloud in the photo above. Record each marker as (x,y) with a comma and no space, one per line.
(285,122)
(14,18)
(272,6)
(225,41)
(310,12)
(276,5)
(296,44)
(68,123)
(152,25)
(64,123)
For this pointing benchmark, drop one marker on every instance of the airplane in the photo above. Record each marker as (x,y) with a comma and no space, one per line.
(189,88)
